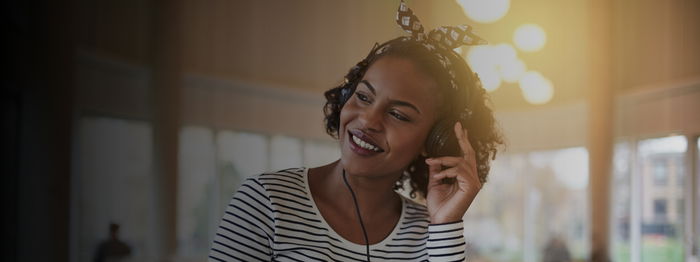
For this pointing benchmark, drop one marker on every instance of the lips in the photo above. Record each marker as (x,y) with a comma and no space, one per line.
(363,144)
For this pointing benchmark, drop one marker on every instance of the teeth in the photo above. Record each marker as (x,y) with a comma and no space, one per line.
(364,144)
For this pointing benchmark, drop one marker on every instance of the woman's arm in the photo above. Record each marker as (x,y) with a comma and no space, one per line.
(446,242)
(246,230)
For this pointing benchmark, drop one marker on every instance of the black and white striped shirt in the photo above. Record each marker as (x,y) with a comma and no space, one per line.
(273,217)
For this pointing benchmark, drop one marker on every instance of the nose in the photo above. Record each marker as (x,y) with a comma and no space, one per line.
(371,119)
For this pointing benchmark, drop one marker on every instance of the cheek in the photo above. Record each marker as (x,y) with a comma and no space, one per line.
(410,141)
(346,114)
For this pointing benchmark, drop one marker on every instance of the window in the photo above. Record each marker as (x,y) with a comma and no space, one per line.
(647,218)
(533,205)
(661,235)
(660,209)
(660,172)
(213,164)
(114,183)
(621,202)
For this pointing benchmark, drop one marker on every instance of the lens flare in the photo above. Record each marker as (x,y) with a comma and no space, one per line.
(536,88)
(529,37)
(483,60)
(512,70)
(485,11)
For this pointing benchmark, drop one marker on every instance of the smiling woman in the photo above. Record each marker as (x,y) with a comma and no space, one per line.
(411,111)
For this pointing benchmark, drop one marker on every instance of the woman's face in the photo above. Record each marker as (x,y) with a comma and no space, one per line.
(385,123)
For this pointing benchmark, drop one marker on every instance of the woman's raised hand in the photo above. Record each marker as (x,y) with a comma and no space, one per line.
(447,202)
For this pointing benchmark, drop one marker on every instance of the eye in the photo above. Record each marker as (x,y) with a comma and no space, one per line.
(362,97)
(398,116)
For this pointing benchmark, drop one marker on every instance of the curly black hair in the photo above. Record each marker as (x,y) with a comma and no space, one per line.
(484,135)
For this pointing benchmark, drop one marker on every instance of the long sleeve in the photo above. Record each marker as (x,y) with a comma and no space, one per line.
(446,242)
(246,229)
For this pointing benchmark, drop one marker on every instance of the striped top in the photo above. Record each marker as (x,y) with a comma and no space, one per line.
(273,217)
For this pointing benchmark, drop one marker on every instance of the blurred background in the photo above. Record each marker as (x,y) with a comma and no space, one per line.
(136,120)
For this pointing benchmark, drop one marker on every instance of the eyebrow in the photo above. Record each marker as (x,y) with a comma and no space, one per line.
(392,101)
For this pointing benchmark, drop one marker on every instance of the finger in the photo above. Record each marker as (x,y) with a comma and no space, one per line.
(434,169)
(463,140)
(434,166)
(458,171)
(448,161)
(452,175)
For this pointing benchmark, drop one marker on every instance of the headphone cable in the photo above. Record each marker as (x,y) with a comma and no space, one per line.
(357,209)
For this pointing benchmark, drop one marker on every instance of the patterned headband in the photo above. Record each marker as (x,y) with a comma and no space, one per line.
(446,38)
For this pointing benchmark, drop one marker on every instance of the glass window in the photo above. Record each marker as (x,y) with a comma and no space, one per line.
(285,152)
(621,202)
(196,181)
(660,209)
(240,155)
(534,207)
(115,184)
(662,223)
(660,172)
(318,153)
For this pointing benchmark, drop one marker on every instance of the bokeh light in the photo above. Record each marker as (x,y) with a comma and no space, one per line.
(490,80)
(512,70)
(484,61)
(504,53)
(495,64)
(536,88)
(485,11)
(529,37)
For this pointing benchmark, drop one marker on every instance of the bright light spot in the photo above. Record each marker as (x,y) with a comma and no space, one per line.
(529,37)
(483,60)
(490,79)
(536,88)
(459,50)
(512,70)
(496,64)
(504,53)
(485,11)
(571,167)
(671,144)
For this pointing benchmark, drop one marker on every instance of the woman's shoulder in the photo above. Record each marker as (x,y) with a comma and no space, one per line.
(290,178)
(285,176)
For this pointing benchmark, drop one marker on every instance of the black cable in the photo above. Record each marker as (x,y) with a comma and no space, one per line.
(357,208)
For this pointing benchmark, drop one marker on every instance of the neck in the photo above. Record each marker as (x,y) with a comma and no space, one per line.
(375,195)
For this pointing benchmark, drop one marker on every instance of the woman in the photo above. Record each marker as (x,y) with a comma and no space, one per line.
(413,111)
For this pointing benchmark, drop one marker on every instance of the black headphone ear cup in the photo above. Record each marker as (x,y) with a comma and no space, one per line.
(442,140)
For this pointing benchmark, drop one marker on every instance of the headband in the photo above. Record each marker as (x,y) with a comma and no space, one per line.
(439,41)
(446,38)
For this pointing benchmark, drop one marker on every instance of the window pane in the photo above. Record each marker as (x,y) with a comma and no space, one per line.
(660,165)
(621,202)
(240,155)
(320,153)
(115,185)
(534,208)
(285,152)
(196,177)
(494,222)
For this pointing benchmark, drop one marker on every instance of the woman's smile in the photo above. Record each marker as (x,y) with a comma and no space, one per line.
(362,144)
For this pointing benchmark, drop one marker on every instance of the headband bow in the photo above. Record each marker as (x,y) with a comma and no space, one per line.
(449,37)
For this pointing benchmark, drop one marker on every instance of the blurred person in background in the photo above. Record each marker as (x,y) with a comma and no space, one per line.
(112,249)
